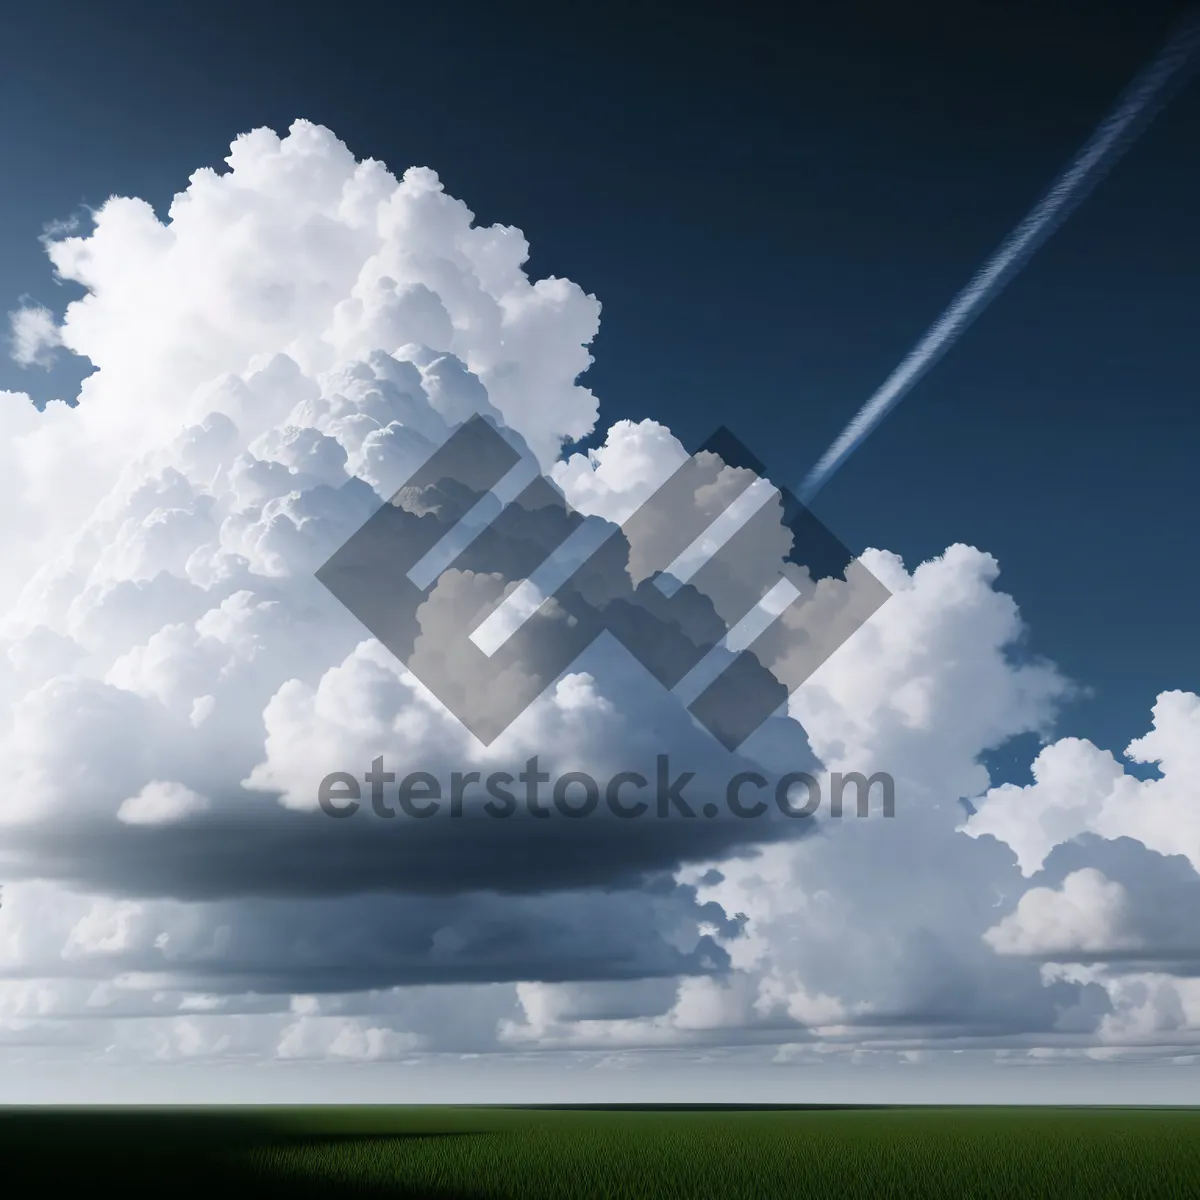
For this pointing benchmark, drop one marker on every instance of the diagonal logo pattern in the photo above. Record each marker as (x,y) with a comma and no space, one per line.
(487,585)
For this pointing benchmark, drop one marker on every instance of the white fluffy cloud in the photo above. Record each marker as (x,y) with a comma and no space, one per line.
(1081,789)
(1088,913)
(161,802)
(274,357)
(34,335)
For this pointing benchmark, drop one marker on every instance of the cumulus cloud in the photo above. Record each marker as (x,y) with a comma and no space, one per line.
(34,336)
(160,803)
(274,357)
(272,360)
(1080,789)
(1087,913)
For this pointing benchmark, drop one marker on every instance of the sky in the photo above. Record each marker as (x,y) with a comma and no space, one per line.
(621,233)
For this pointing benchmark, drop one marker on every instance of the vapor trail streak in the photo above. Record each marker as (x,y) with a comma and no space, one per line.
(1133,111)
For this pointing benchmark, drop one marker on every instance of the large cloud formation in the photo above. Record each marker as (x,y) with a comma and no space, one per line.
(271,361)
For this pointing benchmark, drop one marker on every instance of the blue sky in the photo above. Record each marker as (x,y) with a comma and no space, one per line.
(760,215)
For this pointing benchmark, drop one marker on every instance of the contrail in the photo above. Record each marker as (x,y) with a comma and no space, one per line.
(1136,106)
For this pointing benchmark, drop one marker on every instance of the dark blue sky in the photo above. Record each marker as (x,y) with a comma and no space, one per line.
(771,210)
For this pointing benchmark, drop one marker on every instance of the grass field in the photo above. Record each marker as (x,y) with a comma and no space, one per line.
(531,1154)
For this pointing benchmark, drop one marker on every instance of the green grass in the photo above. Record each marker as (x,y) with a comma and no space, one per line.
(531,1154)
